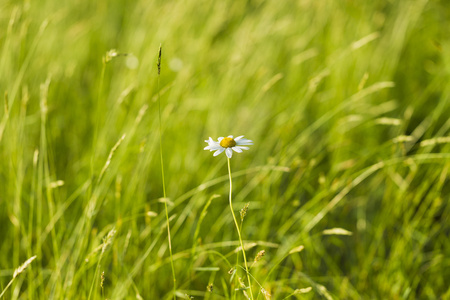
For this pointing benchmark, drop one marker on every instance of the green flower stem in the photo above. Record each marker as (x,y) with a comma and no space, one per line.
(238,230)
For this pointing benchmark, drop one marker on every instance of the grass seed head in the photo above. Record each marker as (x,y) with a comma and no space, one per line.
(266,294)
(260,255)
(108,239)
(210,287)
(23,266)
(102,279)
(243,287)
(159,59)
(110,55)
(303,291)
(297,249)
(243,211)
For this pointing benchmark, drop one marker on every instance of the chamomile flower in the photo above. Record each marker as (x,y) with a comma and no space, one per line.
(228,144)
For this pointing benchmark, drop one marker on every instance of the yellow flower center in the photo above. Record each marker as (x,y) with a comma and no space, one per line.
(227,142)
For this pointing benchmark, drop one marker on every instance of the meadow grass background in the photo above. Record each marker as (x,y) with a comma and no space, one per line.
(347,103)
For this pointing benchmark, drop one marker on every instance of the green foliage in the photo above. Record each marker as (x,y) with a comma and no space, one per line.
(347,104)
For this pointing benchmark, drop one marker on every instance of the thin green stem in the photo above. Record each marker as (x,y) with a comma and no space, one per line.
(98,120)
(163,181)
(7,286)
(238,230)
(236,277)
(97,268)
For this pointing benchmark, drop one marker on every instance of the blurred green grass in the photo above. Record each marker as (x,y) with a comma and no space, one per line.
(345,102)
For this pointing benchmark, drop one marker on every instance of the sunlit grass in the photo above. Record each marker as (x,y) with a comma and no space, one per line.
(347,181)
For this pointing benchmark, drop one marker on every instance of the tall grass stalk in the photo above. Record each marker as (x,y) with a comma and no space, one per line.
(237,261)
(106,241)
(97,124)
(162,175)
(237,228)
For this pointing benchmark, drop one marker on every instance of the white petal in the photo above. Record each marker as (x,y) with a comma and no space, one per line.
(244,142)
(230,136)
(238,138)
(218,152)
(228,152)
(212,147)
(237,149)
(243,148)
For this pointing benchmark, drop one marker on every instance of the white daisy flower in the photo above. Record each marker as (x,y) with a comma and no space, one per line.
(227,144)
